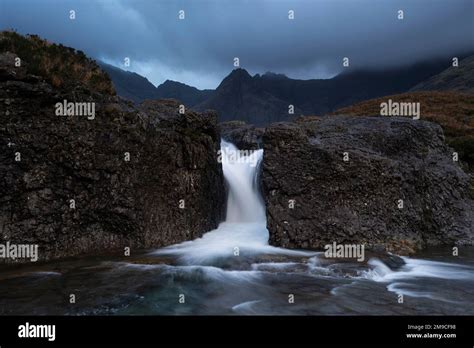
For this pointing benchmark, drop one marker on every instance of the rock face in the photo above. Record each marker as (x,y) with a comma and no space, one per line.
(137,178)
(453,111)
(357,201)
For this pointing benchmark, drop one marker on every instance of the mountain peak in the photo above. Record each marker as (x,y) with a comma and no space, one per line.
(239,73)
(237,77)
(172,83)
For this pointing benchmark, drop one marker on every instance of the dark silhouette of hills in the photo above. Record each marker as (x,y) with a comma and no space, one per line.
(137,88)
(190,96)
(262,99)
(243,97)
(460,79)
(129,85)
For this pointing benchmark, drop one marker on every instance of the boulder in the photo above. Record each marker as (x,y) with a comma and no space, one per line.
(130,177)
(387,183)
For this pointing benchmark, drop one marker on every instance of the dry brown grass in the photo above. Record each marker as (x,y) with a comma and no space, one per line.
(453,111)
(61,66)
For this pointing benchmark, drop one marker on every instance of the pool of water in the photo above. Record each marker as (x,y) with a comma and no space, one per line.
(435,282)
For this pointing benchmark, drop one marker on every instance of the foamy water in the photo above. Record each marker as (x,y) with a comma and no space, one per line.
(244,232)
(417,268)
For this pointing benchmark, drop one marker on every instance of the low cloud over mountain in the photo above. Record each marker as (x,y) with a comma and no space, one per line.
(199,49)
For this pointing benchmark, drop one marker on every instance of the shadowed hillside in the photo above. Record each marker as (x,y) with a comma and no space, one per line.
(263,99)
(459,79)
(129,85)
(134,87)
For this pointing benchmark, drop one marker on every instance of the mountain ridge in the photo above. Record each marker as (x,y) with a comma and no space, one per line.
(137,88)
(274,97)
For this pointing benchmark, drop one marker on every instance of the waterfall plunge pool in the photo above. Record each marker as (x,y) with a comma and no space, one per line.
(233,270)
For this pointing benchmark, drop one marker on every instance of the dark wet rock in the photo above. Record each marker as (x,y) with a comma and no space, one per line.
(393,262)
(357,201)
(244,136)
(118,202)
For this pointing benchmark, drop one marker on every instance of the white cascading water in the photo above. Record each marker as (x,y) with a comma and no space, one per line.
(244,231)
(244,203)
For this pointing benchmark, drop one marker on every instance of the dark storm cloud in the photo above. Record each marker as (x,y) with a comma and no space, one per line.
(200,49)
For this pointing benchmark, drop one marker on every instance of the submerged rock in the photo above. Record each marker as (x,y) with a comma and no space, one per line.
(387,183)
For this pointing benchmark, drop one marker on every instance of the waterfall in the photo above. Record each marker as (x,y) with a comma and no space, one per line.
(244,203)
(244,231)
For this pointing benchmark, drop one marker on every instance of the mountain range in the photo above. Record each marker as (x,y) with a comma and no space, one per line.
(137,88)
(267,98)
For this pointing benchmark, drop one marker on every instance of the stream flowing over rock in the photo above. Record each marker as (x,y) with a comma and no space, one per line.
(314,197)
(131,177)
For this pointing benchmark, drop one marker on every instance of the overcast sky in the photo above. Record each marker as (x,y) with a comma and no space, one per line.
(200,49)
